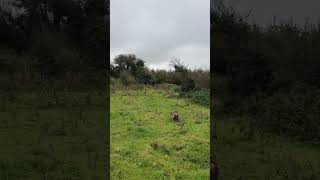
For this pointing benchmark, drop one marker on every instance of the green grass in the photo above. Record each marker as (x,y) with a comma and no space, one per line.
(264,157)
(147,144)
(40,139)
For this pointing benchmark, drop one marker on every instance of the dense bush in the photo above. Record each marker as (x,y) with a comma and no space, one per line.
(54,43)
(258,72)
(255,58)
(187,85)
(188,79)
(200,96)
(144,77)
(194,84)
(201,78)
(126,78)
(294,114)
(249,73)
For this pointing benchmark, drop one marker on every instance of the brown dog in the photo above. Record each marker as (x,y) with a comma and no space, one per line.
(175,116)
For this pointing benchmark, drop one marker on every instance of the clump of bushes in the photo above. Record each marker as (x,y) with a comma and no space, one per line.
(189,90)
(293,114)
(126,78)
(188,79)
(259,72)
(187,85)
(193,84)
(200,96)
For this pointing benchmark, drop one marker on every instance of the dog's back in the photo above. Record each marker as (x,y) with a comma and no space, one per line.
(175,116)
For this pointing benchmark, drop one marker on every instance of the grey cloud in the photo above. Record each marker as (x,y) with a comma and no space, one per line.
(158,30)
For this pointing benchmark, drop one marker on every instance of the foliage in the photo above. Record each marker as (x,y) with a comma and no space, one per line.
(291,114)
(257,71)
(126,78)
(248,73)
(187,85)
(178,66)
(201,96)
(181,76)
(48,32)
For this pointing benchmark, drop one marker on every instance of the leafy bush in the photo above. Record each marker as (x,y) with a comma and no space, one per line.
(249,73)
(201,78)
(201,96)
(143,76)
(126,78)
(177,89)
(187,85)
(292,114)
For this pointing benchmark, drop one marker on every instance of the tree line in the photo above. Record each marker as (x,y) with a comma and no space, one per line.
(270,76)
(193,84)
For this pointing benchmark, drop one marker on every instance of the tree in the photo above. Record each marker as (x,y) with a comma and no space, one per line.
(125,62)
(129,62)
(178,66)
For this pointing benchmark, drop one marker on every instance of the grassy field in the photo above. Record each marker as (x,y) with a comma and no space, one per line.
(147,144)
(267,157)
(48,136)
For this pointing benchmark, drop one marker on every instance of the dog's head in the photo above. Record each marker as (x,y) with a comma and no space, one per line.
(175,115)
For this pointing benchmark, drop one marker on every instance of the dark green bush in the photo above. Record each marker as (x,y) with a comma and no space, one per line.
(288,114)
(187,85)
(126,78)
(201,96)
(177,89)
(248,73)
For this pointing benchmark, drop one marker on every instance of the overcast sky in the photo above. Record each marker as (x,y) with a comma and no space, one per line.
(158,30)
(263,11)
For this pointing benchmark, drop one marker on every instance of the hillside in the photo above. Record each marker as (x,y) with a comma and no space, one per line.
(147,144)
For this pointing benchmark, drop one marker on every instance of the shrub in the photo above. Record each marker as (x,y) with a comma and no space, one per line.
(292,114)
(249,73)
(187,85)
(126,78)
(201,78)
(201,96)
